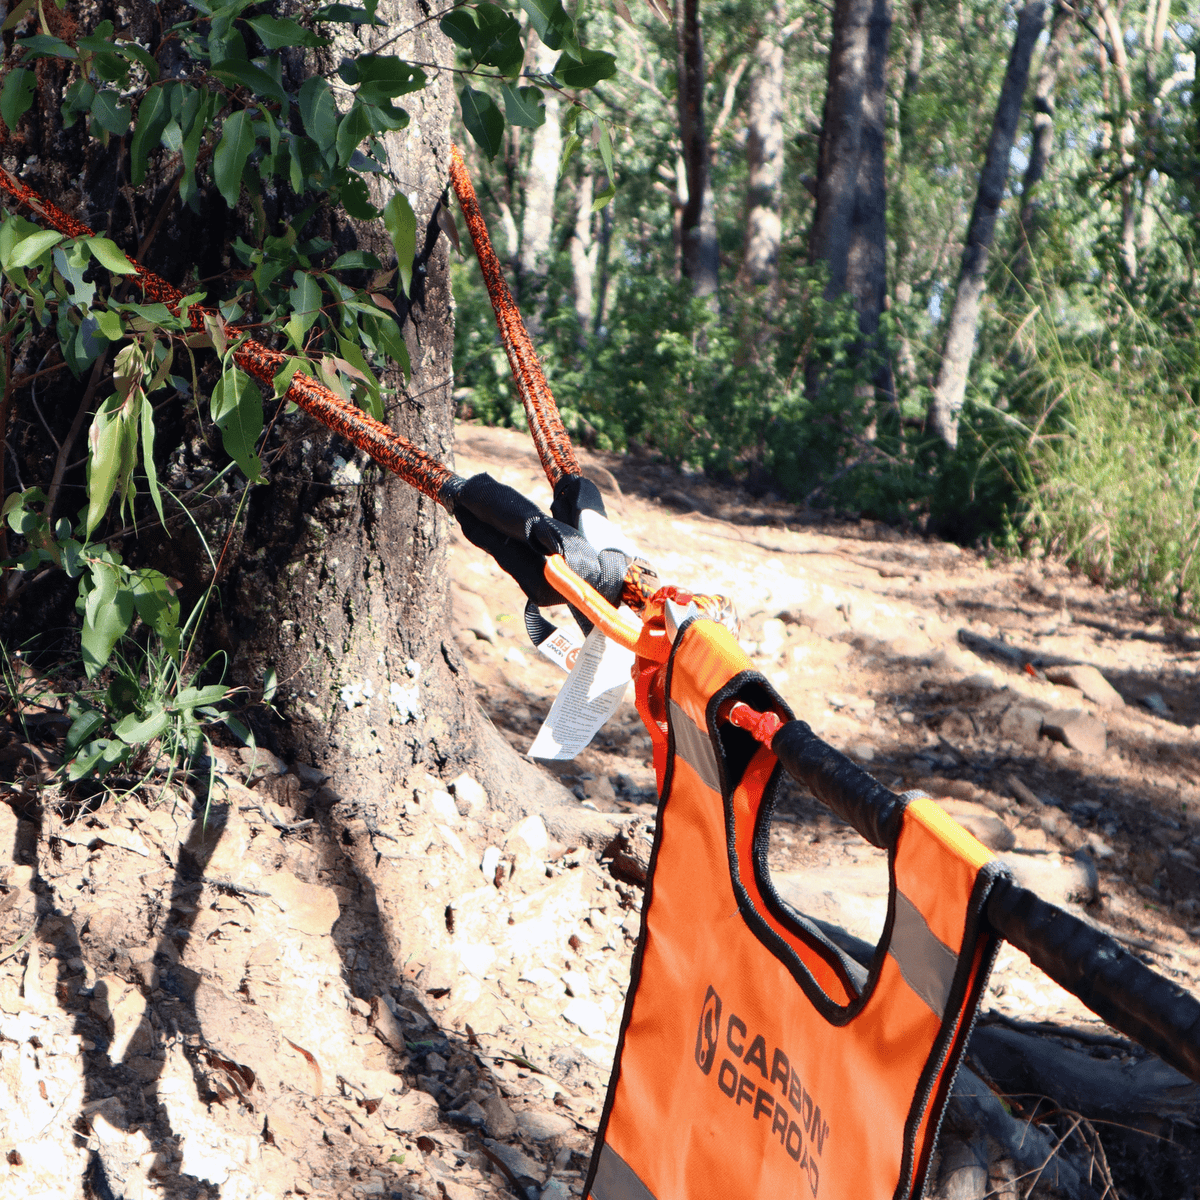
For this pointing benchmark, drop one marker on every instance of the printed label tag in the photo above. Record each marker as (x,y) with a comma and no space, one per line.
(562,648)
(591,694)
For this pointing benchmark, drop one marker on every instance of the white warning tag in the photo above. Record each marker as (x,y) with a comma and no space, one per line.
(590,695)
(561,648)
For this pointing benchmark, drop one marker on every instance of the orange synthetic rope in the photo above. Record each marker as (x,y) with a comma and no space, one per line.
(545,424)
(388,448)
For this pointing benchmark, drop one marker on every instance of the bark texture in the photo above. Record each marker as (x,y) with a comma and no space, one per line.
(1041,140)
(947,400)
(585,250)
(537,225)
(698,220)
(764,158)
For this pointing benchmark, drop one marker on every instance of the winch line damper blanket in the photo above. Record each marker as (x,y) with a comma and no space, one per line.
(707,1004)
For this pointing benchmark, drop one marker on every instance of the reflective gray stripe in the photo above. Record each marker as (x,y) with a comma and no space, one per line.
(925,961)
(615,1179)
(694,748)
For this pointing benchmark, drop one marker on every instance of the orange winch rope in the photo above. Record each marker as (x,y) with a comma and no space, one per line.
(545,424)
(392,450)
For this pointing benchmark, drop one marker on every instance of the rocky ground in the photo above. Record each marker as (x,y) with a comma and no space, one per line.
(283,1001)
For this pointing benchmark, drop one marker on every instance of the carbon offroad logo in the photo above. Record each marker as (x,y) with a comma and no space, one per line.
(707,1033)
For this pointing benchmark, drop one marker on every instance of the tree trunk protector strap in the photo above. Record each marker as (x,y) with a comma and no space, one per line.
(545,423)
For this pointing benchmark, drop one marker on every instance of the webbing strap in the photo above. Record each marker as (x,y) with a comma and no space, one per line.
(545,424)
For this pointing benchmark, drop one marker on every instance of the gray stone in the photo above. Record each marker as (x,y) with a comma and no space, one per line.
(499,1117)
(821,617)
(518,1162)
(542,1126)
(1021,723)
(1089,681)
(1076,730)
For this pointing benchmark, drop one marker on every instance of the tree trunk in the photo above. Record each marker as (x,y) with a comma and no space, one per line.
(537,225)
(1123,128)
(698,221)
(964,316)
(849,232)
(584,252)
(1041,140)
(904,219)
(764,159)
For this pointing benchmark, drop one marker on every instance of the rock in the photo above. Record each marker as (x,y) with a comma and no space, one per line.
(491,860)
(499,1117)
(587,1015)
(130,1028)
(1157,705)
(1183,873)
(471,612)
(532,832)
(516,1160)
(308,907)
(556,1189)
(442,806)
(981,823)
(542,1126)
(1076,730)
(820,616)
(8,834)
(576,983)
(309,776)
(1056,881)
(1089,681)
(416,1112)
(1021,724)
(387,1028)
(774,634)
(470,796)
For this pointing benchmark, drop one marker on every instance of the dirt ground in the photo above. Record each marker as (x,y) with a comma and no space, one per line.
(217,1011)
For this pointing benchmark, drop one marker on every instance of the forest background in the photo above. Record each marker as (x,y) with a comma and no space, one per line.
(933,262)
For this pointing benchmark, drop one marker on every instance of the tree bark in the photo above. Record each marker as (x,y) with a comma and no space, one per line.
(699,257)
(1041,140)
(584,252)
(849,232)
(537,225)
(903,224)
(948,395)
(764,159)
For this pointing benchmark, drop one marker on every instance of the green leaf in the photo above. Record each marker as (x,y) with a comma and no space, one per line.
(319,112)
(237,141)
(109,324)
(401,223)
(552,24)
(356,260)
(594,65)
(499,40)
(136,732)
(32,247)
(356,198)
(239,72)
(111,112)
(147,431)
(354,128)
(104,461)
(606,150)
(347,14)
(573,142)
(152,116)
(44,44)
(602,198)
(283,377)
(237,409)
(484,121)
(194,697)
(157,605)
(97,758)
(107,614)
(305,299)
(109,255)
(269,685)
(82,728)
(460,26)
(523,106)
(277,33)
(383,77)
(17,95)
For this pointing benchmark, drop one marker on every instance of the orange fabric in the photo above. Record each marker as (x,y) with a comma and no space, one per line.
(773,1097)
